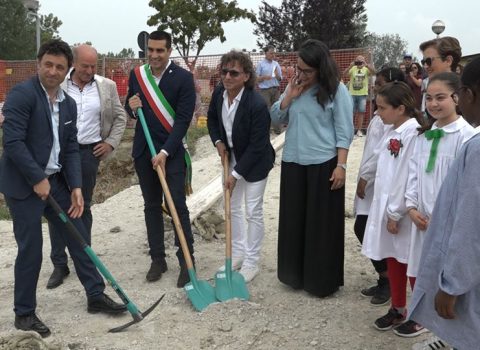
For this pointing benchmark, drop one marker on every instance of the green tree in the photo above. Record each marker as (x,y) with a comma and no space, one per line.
(338,23)
(280,26)
(193,23)
(18,34)
(124,53)
(387,49)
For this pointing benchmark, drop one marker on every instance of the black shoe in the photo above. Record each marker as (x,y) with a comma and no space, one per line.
(382,294)
(57,276)
(369,292)
(391,319)
(32,323)
(104,304)
(157,267)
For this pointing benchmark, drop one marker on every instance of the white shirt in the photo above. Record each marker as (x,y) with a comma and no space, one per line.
(53,165)
(228,117)
(88,111)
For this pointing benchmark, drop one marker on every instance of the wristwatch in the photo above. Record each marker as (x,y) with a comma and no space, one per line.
(342,165)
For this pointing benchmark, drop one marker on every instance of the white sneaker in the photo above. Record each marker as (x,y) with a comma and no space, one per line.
(249,272)
(433,342)
(359,133)
(236,264)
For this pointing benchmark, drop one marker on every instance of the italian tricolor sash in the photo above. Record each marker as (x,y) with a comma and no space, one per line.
(163,111)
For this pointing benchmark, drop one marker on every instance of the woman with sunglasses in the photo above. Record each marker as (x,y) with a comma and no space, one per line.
(439,55)
(318,111)
(414,80)
(238,124)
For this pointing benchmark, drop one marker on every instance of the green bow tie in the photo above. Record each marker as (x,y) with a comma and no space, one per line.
(435,135)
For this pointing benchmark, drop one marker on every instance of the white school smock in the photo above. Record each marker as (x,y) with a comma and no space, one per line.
(376,130)
(389,197)
(423,187)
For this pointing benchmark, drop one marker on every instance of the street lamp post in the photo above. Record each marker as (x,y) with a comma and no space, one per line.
(438,27)
(32,7)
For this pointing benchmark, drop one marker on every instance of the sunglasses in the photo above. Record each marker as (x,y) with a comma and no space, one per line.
(429,60)
(233,73)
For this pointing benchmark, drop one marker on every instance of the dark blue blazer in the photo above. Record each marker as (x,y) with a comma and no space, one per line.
(250,134)
(28,140)
(179,89)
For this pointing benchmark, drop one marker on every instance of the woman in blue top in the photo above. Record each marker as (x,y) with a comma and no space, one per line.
(318,111)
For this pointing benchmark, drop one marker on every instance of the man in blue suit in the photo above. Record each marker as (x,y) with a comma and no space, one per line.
(166,93)
(41,158)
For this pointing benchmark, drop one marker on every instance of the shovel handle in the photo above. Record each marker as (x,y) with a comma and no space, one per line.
(228,216)
(166,191)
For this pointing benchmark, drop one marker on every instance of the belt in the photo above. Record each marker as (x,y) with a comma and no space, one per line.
(89,146)
(54,175)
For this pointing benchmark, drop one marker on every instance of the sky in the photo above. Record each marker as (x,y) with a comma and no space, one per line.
(112,25)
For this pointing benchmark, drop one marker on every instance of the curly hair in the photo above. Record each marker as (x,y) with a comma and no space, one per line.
(244,61)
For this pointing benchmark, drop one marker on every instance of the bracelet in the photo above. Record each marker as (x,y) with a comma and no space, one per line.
(342,165)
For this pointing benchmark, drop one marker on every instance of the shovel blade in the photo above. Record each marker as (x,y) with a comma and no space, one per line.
(200,293)
(230,285)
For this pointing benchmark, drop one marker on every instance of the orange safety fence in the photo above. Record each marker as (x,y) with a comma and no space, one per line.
(206,73)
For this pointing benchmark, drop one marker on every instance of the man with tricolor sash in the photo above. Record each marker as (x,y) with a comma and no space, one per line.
(166,94)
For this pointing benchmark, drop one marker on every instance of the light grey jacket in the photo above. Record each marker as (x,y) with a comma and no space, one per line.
(113,118)
(451,254)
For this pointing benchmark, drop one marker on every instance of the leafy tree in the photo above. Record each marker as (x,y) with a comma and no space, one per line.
(280,26)
(388,49)
(124,53)
(193,23)
(18,31)
(338,23)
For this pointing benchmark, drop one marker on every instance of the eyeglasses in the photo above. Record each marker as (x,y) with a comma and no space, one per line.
(465,87)
(233,73)
(307,71)
(429,60)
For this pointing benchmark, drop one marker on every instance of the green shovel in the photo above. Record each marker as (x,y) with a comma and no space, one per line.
(200,293)
(229,284)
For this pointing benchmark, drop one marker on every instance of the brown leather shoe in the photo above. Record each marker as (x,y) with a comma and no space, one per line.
(32,323)
(57,276)
(103,303)
(157,268)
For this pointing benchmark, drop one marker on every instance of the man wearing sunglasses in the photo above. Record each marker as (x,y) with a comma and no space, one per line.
(269,75)
(439,55)
(359,73)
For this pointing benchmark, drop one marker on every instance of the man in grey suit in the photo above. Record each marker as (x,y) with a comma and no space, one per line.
(101,122)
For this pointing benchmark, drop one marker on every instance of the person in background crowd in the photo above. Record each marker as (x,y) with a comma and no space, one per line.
(414,80)
(407,60)
(239,123)
(318,111)
(269,76)
(101,122)
(40,159)
(359,73)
